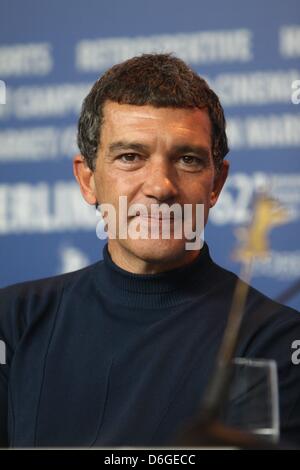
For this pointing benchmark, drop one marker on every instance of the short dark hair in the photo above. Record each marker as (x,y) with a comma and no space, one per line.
(159,80)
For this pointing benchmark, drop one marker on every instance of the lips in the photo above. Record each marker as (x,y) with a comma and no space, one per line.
(155,217)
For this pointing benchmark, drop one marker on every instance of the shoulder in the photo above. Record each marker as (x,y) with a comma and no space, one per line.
(40,288)
(261,313)
(269,328)
(227,280)
(22,303)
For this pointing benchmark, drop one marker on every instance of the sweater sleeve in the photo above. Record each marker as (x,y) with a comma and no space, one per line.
(274,339)
(11,327)
(21,305)
(3,408)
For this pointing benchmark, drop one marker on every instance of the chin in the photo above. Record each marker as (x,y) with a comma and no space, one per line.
(157,251)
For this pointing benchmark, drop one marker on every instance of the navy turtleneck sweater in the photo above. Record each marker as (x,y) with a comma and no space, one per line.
(103,357)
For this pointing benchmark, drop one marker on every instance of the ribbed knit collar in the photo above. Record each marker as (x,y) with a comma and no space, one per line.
(155,290)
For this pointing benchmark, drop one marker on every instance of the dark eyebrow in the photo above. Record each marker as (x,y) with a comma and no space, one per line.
(177,149)
(196,149)
(123,145)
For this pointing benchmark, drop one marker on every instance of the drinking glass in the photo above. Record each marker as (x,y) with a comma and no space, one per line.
(252,404)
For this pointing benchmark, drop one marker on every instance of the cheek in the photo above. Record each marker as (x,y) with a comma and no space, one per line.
(111,185)
(104,186)
(199,191)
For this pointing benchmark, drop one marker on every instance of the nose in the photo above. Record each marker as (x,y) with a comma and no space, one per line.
(160,181)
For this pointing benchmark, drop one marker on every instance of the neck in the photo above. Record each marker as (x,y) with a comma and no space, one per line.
(129,262)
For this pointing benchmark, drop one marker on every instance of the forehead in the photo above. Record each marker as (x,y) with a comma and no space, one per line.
(120,120)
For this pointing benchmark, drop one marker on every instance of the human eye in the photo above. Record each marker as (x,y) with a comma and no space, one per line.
(191,161)
(128,158)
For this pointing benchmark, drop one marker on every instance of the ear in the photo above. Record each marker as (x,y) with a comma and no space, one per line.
(219,182)
(85,178)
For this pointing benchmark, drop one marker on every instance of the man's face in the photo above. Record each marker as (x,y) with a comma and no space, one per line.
(154,156)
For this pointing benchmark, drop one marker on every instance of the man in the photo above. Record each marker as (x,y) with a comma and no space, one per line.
(119,353)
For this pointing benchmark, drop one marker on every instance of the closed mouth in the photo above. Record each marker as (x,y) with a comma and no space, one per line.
(155,217)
